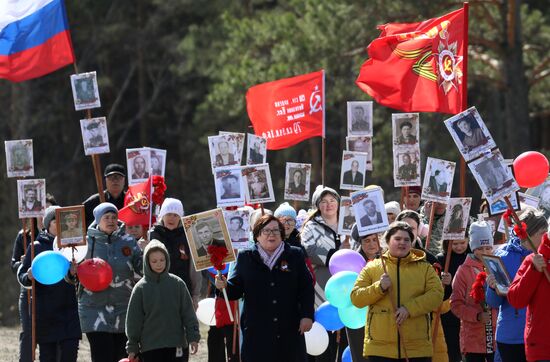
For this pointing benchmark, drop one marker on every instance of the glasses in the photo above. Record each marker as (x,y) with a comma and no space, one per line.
(288,222)
(274,232)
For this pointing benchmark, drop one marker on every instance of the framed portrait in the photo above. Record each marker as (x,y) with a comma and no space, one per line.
(543,193)
(297,181)
(138,161)
(456,219)
(223,152)
(406,166)
(495,267)
(359,118)
(438,180)
(370,213)
(85,91)
(256,150)
(470,134)
(94,135)
(526,200)
(229,186)
(258,185)
(498,207)
(31,198)
(203,230)
(361,144)
(237,139)
(71,226)
(493,177)
(238,225)
(19,158)
(353,171)
(158,161)
(347,216)
(405,129)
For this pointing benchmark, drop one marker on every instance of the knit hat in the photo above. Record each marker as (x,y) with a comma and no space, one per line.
(534,220)
(285,210)
(171,206)
(49,215)
(392,207)
(102,209)
(256,214)
(321,191)
(481,234)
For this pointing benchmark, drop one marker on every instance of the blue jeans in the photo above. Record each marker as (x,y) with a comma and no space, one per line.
(25,337)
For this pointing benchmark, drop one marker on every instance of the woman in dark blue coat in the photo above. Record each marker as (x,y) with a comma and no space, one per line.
(277,288)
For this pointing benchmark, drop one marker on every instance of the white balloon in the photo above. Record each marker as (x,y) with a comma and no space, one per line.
(316,339)
(79,251)
(206,313)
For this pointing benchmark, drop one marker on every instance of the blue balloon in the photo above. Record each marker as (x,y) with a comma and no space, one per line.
(49,267)
(327,316)
(346,356)
(338,288)
(353,317)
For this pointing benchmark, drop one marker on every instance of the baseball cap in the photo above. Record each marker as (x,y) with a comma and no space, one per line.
(115,168)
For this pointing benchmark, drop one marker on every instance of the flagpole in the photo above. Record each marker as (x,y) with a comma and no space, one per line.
(33,297)
(323,141)
(464,95)
(150,197)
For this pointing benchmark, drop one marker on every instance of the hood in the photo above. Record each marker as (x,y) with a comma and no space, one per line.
(514,246)
(415,255)
(155,245)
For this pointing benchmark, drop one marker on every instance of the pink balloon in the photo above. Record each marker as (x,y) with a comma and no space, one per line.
(346,260)
(125,360)
(531,169)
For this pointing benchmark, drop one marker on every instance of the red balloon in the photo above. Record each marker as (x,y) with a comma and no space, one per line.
(125,360)
(531,169)
(95,274)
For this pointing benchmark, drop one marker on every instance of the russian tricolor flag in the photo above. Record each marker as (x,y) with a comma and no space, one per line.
(34,38)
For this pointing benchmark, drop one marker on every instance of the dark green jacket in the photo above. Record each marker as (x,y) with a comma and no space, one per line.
(160,313)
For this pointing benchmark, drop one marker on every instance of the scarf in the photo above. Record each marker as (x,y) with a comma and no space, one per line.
(270,260)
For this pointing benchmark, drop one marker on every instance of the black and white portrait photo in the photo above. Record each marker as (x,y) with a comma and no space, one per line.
(31,198)
(406,128)
(258,185)
(543,193)
(85,91)
(494,179)
(222,151)
(94,135)
(361,144)
(496,268)
(346,218)
(138,161)
(470,134)
(406,166)
(256,150)
(297,181)
(237,222)
(352,174)
(236,142)
(456,218)
(438,180)
(370,213)
(19,158)
(158,161)
(360,118)
(229,186)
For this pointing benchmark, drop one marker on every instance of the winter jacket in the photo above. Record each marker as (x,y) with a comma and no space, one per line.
(440,348)
(19,250)
(511,321)
(181,264)
(294,240)
(274,303)
(320,242)
(105,311)
(56,307)
(472,331)
(416,286)
(160,311)
(531,289)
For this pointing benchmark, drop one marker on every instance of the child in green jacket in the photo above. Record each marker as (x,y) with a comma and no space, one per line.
(161,324)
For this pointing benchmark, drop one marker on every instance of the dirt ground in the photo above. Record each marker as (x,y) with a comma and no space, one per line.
(9,346)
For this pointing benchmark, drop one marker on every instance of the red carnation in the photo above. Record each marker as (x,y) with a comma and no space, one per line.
(159,187)
(217,255)
(521,231)
(506,216)
(478,291)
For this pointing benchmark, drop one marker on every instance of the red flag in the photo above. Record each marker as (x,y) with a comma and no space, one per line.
(288,111)
(419,67)
(136,202)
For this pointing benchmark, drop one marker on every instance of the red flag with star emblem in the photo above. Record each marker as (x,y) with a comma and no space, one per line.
(419,67)
(137,201)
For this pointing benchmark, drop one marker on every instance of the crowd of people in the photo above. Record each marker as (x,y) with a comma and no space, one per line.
(421,302)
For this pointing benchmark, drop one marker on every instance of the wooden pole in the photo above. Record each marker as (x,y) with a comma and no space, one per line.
(323,153)
(24,222)
(235,328)
(33,301)
(430,224)
(438,313)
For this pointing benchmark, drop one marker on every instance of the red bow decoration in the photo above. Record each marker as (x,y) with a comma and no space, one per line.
(521,231)
(217,255)
(507,217)
(478,291)
(159,187)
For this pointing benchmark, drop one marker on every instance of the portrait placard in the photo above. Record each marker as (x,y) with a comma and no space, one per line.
(85,91)
(223,151)
(495,267)
(470,134)
(456,219)
(353,171)
(256,150)
(297,181)
(238,222)
(494,179)
(406,166)
(158,161)
(361,144)
(405,129)
(203,230)
(31,198)
(347,216)
(526,200)
(237,140)
(498,207)
(229,186)
(19,158)
(258,185)
(94,135)
(71,226)
(360,118)
(370,213)
(138,161)
(438,180)
(543,193)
